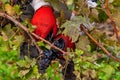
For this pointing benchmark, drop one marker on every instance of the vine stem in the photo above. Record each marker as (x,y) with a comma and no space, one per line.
(2,14)
(52,45)
(1,3)
(22,27)
(99,44)
(111,19)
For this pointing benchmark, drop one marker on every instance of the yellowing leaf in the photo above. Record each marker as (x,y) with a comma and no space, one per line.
(5,38)
(8,31)
(70,2)
(4,1)
(82,43)
(24,72)
(9,9)
(98,35)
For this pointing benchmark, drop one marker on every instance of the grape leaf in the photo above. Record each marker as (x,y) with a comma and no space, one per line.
(116,3)
(4,1)
(9,9)
(71,27)
(55,4)
(82,43)
(8,30)
(108,70)
(102,15)
(116,17)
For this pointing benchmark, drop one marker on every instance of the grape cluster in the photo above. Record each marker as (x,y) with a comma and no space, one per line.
(61,42)
(48,56)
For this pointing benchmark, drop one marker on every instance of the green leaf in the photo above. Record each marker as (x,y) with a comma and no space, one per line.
(72,27)
(17,9)
(108,70)
(8,30)
(79,52)
(102,15)
(4,1)
(116,3)
(83,43)
(9,9)
(55,4)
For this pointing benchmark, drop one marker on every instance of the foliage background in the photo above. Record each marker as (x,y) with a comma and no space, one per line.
(91,63)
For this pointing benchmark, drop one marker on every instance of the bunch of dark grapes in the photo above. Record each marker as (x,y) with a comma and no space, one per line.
(32,52)
(48,56)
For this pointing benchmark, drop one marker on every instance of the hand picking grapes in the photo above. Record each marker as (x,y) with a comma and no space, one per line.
(46,26)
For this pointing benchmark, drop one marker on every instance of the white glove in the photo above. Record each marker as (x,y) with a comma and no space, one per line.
(36,4)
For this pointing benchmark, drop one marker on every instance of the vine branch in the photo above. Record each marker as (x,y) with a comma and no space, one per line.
(111,19)
(22,27)
(99,44)
(52,45)
(30,34)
